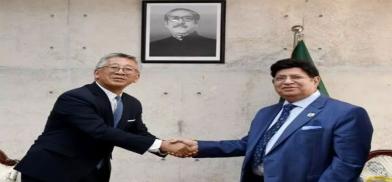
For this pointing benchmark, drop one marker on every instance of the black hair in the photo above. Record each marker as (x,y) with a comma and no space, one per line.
(307,67)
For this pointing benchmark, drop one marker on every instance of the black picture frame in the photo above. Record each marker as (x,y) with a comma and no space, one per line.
(206,44)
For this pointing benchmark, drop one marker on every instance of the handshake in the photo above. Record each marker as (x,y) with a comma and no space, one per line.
(180,147)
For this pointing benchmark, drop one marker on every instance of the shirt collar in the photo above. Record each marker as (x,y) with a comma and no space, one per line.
(306,101)
(108,93)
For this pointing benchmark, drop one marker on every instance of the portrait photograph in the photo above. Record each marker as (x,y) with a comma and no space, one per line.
(183,31)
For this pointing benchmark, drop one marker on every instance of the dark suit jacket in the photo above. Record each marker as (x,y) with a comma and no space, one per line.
(191,45)
(330,145)
(79,133)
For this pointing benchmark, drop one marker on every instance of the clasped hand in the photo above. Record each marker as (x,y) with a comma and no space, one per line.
(180,147)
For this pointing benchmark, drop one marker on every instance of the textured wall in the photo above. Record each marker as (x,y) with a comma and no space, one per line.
(50,46)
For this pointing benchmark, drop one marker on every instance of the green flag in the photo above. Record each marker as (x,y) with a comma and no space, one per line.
(301,53)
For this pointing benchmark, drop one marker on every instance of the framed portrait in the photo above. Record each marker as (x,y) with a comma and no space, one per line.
(183,31)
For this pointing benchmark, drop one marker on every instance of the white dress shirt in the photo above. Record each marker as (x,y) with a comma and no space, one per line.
(301,105)
(111,96)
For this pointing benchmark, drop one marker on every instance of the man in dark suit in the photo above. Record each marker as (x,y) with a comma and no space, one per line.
(307,138)
(86,123)
(184,40)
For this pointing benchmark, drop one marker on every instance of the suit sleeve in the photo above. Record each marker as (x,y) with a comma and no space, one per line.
(224,148)
(82,114)
(351,143)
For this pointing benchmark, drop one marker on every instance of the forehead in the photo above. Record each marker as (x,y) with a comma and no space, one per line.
(291,71)
(180,13)
(122,61)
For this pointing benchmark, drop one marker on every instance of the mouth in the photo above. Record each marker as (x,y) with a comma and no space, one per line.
(118,79)
(288,88)
(180,25)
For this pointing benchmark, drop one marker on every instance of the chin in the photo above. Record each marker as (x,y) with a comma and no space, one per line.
(118,84)
(288,92)
(181,32)
(288,95)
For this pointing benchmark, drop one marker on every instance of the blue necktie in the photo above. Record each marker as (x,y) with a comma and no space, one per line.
(116,119)
(258,155)
(118,111)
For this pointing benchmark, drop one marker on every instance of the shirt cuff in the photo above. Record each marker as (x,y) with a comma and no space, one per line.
(155,146)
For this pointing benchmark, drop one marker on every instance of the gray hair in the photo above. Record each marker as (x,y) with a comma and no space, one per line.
(103,61)
(195,15)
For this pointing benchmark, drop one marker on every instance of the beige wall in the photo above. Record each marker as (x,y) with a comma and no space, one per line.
(50,46)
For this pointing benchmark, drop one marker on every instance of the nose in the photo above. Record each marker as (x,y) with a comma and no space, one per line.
(120,71)
(181,21)
(288,80)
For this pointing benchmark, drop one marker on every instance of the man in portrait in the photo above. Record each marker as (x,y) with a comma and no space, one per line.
(182,24)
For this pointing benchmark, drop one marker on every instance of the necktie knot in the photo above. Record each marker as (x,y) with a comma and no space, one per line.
(118,98)
(288,107)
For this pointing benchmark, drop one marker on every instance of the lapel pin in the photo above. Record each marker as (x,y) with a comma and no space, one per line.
(311,114)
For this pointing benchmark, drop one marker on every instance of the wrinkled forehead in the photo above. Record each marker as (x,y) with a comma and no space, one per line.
(180,13)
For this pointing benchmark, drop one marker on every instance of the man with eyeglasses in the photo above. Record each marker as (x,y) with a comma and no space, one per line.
(307,138)
(87,122)
(184,40)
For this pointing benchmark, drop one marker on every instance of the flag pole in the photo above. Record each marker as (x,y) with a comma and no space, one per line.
(300,52)
(298,35)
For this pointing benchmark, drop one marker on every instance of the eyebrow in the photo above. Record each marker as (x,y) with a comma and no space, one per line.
(294,74)
(128,65)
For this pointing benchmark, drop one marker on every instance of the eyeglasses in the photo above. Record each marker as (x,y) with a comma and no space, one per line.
(116,68)
(178,18)
(294,78)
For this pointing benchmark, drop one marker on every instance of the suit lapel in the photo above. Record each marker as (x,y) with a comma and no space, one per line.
(102,102)
(303,118)
(261,124)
